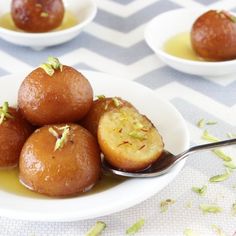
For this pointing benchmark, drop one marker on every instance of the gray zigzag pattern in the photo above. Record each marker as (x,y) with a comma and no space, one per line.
(123,2)
(85,40)
(166,75)
(130,23)
(206,2)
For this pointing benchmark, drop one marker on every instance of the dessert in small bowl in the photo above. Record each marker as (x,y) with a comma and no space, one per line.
(46,27)
(185,40)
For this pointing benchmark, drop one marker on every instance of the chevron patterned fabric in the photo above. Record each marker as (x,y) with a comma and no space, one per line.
(114,43)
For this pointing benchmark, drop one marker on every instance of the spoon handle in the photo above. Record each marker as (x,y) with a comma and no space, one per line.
(206,147)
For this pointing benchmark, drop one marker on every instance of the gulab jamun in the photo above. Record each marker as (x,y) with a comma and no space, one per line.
(99,107)
(60,160)
(128,139)
(54,94)
(14,130)
(37,15)
(213,36)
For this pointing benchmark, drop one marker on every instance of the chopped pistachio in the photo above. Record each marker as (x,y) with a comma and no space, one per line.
(207,208)
(201,123)
(222,155)
(138,125)
(221,177)
(4,114)
(53,132)
(208,137)
(210,122)
(218,230)
(61,141)
(190,232)
(135,227)
(116,101)
(164,205)
(100,97)
(96,229)
(47,68)
(230,135)
(55,63)
(44,14)
(201,191)
(234,209)
(137,135)
(230,165)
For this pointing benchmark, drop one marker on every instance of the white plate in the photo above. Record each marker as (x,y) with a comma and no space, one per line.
(84,11)
(169,24)
(167,119)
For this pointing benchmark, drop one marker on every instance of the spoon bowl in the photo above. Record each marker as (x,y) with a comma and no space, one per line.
(165,162)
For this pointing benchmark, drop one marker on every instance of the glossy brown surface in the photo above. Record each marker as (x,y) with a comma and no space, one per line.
(98,108)
(64,97)
(13,133)
(213,36)
(37,15)
(67,171)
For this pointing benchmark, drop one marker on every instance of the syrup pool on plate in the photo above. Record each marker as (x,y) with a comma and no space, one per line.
(69,21)
(9,182)
(180,46)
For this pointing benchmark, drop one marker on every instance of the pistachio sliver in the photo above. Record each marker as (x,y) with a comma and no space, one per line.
(164,205)
(201,191)
(222,155)
(4,112)
(137,135)
(61,141)
(234,209)
(218,230)
(100,97)
(47,68)
(54,63)
(53,132)
(201,123)
(208,208)
(221,177)
(208,137)
(135,227)
(116,101)
(230,165)
(97,229)
(190,232)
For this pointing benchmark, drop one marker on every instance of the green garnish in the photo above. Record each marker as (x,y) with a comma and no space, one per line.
(230,165)
(51,65)
(116,102)
(208,208)
(137,135)
(4,114)
(218,230)
(96,229)
(211,122)
(61,141)
(190,232)
(47,68)
(222,155)
(230,135)
(164,205)
(135,227)
(201,123)
(234,209)
(138,125)
(100,97)
(208,137)
(201,191)
(44,14)
(221,177)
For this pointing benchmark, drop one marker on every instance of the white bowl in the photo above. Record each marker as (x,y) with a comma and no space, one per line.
(169,24)
(83,10)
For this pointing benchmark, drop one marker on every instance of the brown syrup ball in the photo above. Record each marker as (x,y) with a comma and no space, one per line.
(98,108)
(13,133)
(213,36)
(66,96)
(37,15)
(73,168)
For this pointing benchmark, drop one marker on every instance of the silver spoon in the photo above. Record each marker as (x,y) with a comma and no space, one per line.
(166,161)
